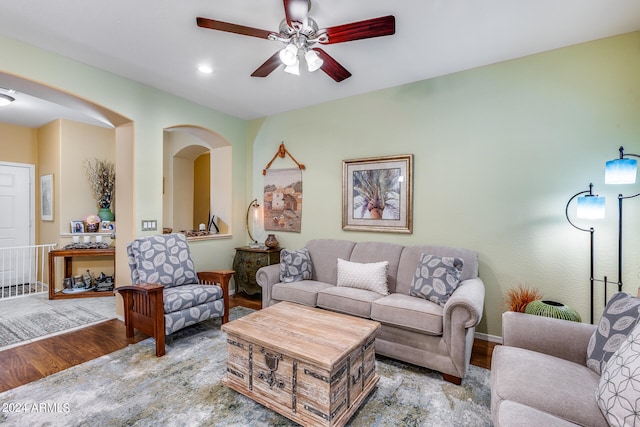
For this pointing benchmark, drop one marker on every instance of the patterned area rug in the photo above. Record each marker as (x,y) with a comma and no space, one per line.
(35,325)
(133,387)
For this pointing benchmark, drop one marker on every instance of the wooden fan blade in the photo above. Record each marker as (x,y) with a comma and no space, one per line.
(212,24)
(330,66)
(269,65)
(376,27)
(296,11)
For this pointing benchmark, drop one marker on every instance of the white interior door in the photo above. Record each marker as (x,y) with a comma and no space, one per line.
(17,214)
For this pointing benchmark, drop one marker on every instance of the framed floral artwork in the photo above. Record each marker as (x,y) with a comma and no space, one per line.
(377,194)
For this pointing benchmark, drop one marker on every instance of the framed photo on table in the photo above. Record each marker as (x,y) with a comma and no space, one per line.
(377,194)
(107,226)
(77,227)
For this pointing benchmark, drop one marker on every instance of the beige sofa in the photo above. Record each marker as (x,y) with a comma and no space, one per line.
(539,376)
(413,329)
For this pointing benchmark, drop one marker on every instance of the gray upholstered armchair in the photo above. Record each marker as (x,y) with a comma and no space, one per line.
(167,293)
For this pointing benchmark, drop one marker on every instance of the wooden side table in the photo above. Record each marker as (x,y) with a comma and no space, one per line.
(68,255)
(246,264)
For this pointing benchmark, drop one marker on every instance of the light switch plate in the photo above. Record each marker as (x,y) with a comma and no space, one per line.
(149,224)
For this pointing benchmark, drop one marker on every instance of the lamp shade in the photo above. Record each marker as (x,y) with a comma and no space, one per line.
(591,207)
(620,171)
(314,61)
(293,68)
(289,55)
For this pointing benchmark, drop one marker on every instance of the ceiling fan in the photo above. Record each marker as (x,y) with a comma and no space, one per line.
(300,33)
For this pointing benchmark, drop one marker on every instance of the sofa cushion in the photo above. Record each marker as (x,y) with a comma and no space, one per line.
(370,276)
(620,316)
(295,265)
(353,301)
(549,384)
(436,278)
(304,292)
(177,320)
(619,388)
(408,312)
(164,260)
(516,414)
(411,255)
(324,256)
(186,296)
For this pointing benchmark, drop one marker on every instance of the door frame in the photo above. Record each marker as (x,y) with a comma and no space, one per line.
(32,197)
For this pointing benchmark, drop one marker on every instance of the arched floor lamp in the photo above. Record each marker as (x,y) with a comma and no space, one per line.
(590,206)
(622,170)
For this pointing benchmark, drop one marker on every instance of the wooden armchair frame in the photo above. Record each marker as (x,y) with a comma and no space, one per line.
(144,306)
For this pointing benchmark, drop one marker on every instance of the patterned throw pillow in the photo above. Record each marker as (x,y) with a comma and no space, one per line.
(370,276)
(295,265)
(619,318)
(618,393)
(436,278)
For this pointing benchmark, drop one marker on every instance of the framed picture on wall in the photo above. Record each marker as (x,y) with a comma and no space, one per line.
(377,194)
(46,197)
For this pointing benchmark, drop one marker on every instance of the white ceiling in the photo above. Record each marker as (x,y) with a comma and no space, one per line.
(157,42)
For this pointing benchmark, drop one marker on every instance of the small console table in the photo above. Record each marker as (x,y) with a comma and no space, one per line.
(246,264)
(68,255)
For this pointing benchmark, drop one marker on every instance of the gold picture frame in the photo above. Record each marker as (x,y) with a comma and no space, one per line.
(377,194)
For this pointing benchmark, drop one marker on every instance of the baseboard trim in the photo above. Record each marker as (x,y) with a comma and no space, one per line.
(486,337)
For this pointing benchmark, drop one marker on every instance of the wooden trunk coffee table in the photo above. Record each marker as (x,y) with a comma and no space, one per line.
(313,366)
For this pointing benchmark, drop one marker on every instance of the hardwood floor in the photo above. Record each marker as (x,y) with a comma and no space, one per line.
(30,362)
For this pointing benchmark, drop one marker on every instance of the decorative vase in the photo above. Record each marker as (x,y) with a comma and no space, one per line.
(271,241)
(553,309)
(105,214)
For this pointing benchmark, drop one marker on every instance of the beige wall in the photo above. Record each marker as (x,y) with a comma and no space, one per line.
(80,142)
(49,163)
(18,144)
(201,190)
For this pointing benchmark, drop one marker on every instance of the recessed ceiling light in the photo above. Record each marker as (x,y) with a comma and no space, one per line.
(205,69)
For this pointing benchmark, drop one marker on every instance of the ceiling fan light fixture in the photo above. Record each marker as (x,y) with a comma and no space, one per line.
(6,99)
(314,62)
(289,55)
(293,68)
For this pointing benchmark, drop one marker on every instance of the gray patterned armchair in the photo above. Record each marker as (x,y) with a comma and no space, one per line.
(167,293)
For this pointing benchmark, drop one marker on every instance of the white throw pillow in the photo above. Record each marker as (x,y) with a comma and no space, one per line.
(618,393)
(369,276)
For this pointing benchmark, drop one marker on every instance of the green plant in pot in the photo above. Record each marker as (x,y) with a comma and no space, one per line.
(102,180)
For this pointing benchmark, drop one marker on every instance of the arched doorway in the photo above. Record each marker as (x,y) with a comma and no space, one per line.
(197,179)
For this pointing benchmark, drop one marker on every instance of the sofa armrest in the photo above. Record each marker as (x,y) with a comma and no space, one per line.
(555,337)
(468,296)
(266,277)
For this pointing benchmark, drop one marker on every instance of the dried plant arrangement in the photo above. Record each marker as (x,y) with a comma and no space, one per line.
(518,298)
(102,180)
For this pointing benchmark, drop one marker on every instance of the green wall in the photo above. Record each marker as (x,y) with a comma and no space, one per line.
(498,152)
(150,111)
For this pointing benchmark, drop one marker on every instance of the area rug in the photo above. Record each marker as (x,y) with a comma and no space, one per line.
(132,387)
(35,325)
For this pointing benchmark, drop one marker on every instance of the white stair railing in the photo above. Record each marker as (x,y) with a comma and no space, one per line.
(23,270)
